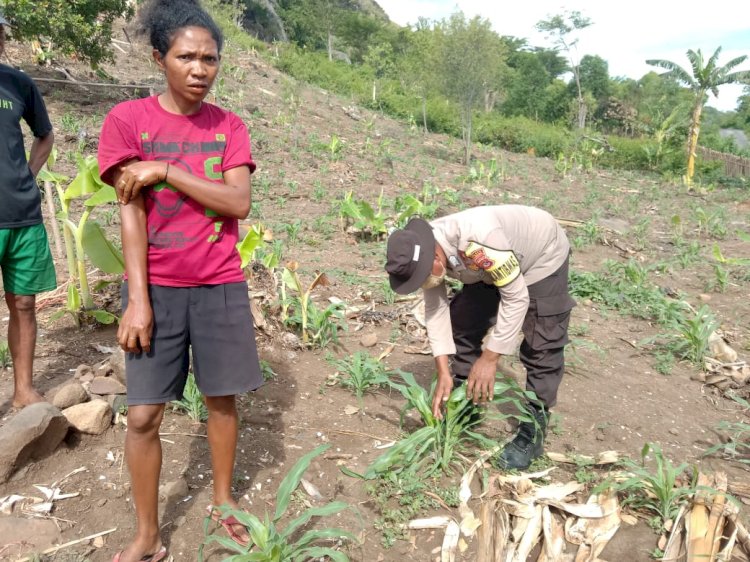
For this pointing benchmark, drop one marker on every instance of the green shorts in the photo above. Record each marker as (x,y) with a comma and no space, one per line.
(25,260)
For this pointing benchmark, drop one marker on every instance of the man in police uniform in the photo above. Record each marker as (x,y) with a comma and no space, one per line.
(513,262)
(25,260)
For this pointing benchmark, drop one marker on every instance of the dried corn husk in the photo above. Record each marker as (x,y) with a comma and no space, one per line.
(450,542)
(605,457)
(593,534)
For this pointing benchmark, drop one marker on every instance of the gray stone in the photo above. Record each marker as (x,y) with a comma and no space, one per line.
(32,434)
(82,370)
(118,402)
(92,417)
(27,535)
(69,394)
(173,491)
(103,369)
(117,364)
(369,340)
(106,385)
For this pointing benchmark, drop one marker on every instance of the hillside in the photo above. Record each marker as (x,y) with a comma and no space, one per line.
(639,242)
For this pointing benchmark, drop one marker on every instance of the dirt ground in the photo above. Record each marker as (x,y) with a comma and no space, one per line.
(612,398)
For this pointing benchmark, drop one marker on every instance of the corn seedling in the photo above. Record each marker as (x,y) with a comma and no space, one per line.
(318,327)
(655,491)
(720,282)
(691,340)
(292,231)
(5,358)
(389,295)
(192,402)
(269,542)
(737,446)
(712,224)
(362,217)
(267,371)
(335,147)
(588,234)
(435,447)
(85,239)
(360,372)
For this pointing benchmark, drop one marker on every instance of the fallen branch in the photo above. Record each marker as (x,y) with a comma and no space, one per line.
(58,548)
(97,84)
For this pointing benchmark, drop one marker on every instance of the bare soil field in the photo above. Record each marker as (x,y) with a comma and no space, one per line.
(613,397)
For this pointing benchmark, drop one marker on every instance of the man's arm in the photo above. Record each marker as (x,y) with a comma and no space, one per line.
(41,148)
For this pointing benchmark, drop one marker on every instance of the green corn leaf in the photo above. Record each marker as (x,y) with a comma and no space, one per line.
(328,509)
(225,542)
(291,480)
(101,251)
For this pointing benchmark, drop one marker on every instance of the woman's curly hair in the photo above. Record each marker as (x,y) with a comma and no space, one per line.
(161,19)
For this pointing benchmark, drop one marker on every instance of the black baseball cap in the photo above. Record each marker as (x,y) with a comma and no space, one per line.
(410,254)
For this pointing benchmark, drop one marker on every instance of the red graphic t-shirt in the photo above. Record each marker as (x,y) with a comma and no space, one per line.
(188,245)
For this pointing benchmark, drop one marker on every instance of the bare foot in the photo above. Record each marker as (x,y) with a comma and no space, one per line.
(24,398)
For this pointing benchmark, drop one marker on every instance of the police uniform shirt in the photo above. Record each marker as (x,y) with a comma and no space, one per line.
(509,246)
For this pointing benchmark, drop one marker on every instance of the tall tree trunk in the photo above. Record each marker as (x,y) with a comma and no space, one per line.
(581,101)
(330,45)
(424,113)
(374,91)
(466,130)
(695,128)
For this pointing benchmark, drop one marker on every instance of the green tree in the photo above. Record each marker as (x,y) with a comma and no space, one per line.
(526,84)
(706,77)
(560,29)
(471,56)
(417,66)
(83,27)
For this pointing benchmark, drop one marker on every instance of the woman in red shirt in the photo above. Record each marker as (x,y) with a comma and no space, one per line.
(181,168)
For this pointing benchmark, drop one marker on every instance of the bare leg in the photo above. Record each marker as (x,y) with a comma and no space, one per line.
(143,454)
(223,422)
(22,341)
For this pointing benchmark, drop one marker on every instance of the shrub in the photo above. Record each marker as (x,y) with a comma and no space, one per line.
(82,28)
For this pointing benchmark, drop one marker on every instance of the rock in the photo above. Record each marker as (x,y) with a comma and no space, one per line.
(720,350)
(106,385)
(180,521)
(92,417)
(103,369)
(291,340)
(101,503)
(98,542)
(32,434)
(88,377)
(82,370)
(69,394)
(703,297)
(674,431)
(118,402)
(369,340)
(28,535)
(117,364)
(173,491)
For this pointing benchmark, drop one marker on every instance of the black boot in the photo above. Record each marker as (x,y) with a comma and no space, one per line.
(527,445)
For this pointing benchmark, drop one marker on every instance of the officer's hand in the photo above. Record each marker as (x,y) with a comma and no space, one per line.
(480,386)
(442,393)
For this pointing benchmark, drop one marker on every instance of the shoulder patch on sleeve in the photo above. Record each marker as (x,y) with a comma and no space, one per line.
(501,265)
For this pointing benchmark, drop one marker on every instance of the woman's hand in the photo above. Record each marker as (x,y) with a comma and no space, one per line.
(137,175)
(136,327)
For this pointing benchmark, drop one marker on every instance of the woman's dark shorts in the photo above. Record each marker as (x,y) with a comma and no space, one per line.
(212,323)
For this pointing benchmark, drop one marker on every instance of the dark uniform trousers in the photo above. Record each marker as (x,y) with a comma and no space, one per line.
(545,330)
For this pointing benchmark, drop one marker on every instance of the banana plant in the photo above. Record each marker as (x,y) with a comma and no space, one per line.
(86,238)
(253,241)
(301,300)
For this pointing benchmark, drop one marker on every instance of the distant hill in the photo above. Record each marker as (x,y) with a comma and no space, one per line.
(263,17)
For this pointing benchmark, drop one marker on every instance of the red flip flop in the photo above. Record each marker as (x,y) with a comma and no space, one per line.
(160,554)
(228,523)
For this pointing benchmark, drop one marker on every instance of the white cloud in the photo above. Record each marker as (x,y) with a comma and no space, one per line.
(624,35)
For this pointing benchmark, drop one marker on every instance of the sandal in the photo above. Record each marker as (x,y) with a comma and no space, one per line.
(229,522)
(160,554)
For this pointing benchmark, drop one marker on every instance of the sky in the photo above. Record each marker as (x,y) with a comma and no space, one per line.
(624,34)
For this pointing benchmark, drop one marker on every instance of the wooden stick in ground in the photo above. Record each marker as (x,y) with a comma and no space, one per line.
(486,544)
(53,220)
(60,547)
(716,517)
